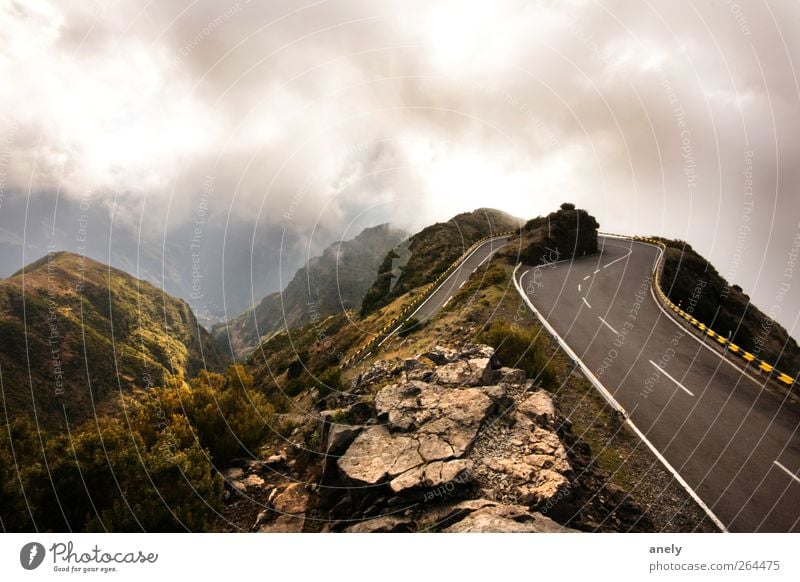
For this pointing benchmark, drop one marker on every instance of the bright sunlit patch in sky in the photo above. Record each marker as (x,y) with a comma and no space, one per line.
(465,177)
(469,35)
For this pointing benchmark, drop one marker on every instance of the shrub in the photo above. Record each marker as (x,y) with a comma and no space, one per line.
(330,382)
(520,348)
(104,477)
(227,415)
(409,325)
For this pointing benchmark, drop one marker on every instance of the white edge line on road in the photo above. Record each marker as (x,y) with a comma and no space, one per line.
(464,282)
(691,334)
(663,371)
(579,287)
(787,471)
(596,271)
(586,302)
(619,259)
(586,277)
(456,270)
(608,325)
(446,302)
(616,405)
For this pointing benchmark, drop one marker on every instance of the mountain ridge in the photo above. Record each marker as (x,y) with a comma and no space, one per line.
(91,331)
(332,282)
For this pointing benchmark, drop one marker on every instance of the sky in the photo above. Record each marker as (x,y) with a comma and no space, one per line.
(264,131)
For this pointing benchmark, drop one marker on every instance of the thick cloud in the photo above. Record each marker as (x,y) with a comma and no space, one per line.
(315,120)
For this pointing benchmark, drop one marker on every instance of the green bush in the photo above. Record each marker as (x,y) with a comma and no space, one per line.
(104,477)
(330,382)
(227,415)
(520,348)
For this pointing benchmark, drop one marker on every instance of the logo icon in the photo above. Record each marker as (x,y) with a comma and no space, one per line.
(31,555)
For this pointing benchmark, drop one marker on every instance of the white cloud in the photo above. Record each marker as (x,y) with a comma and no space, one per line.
(411,110)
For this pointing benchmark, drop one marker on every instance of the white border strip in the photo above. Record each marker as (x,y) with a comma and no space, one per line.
(616,405)
(692,331)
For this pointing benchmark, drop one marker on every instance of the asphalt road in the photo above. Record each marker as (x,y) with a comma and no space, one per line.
(450,286)
(734,442)
(457,278)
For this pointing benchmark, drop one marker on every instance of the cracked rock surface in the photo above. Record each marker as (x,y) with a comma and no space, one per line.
(470,427)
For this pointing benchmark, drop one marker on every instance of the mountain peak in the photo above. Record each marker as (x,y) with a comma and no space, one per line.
(330,283)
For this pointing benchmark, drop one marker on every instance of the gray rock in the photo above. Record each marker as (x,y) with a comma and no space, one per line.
(340,437)
(440,355)
(476,351)
(454,416)
(385,524)
(453,473)
(293,500)
(284,524)
(473,372)
(425,423)
(377,454)
(502,518)
(539,408)
(276,459)
(509,375)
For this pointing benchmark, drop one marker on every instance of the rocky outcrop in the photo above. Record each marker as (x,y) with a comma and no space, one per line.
(456,426)
(286,510)
(386,524)
(501,518)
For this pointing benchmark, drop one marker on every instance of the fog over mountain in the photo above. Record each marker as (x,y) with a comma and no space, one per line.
(213,147)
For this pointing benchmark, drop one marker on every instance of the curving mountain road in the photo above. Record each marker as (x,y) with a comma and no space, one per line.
(735,443)
(450,286)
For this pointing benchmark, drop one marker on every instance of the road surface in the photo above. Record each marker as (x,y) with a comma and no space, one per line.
(735,443)
(450,286)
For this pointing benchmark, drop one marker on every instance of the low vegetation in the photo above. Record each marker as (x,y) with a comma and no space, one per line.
(75,333)
(521,347)
(433,250)
(154,469)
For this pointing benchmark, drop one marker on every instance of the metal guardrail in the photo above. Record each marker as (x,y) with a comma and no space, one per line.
(749,358)
(409,309)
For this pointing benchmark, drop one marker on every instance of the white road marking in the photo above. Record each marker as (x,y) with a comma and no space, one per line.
(579,287)
(787,471)
(586,302)
(462,284)
(446,302)
(597,271)
(608,325)
(720,355)
(663,371)
(614,404)
(619,259)
(587,276)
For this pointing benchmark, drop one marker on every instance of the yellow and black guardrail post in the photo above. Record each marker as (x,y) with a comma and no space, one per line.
(749,359)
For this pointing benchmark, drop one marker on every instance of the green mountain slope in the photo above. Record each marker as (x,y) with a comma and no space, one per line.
(432,250)
(328,284)
(75,333)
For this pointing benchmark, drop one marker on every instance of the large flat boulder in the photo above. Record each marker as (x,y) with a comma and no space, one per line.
(426,425)
(472,372)
(502,518)
(445,474)
(376,454)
